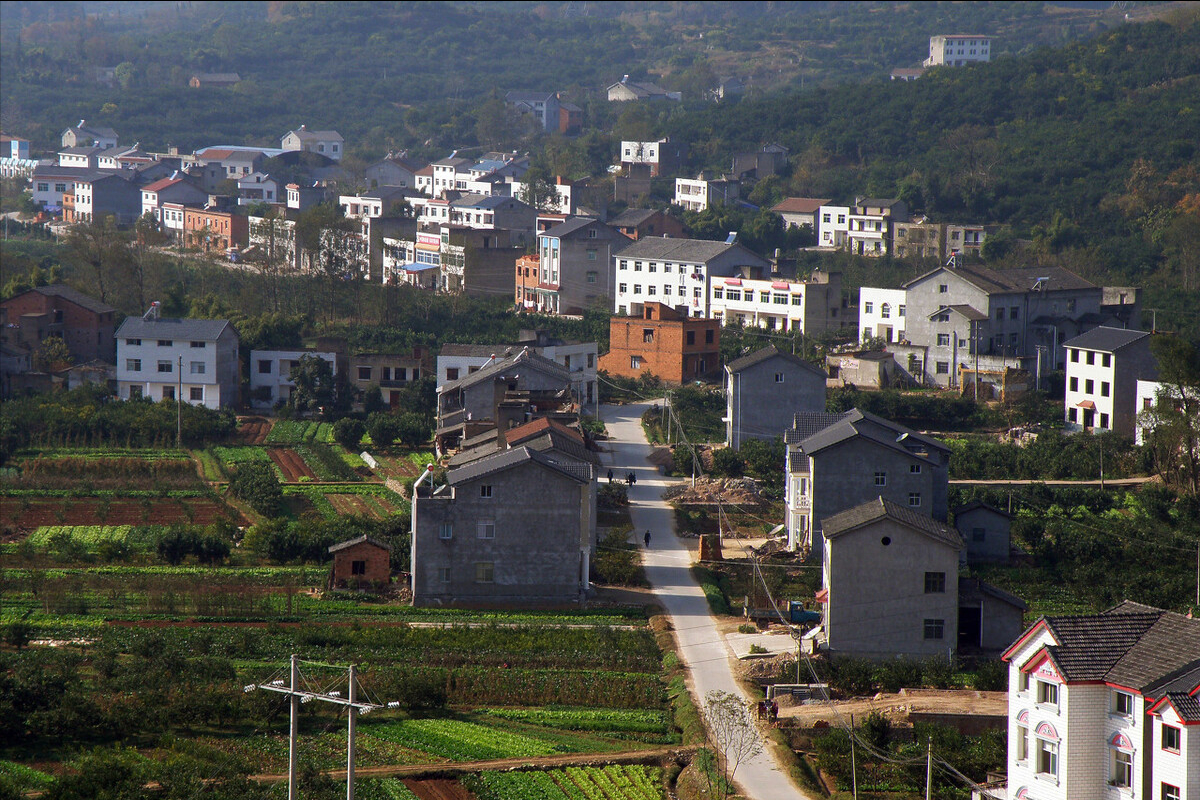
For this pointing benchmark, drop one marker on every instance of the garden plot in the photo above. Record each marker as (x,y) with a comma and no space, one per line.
(290,464)
(30,513)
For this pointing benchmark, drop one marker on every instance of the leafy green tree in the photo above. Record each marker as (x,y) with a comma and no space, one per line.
(1174,421)
(348,432)
(255,482)
(51,354)
(383,428)
(412,429)
(316,386)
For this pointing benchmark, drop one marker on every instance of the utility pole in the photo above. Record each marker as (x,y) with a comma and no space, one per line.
(853,761)
(296,696)
(1102,464)
(928,768)
(179,407)
(975,344)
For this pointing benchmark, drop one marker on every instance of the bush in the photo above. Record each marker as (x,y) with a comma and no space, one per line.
(348,432)
(991,676)
(256,484)
(612,495)
(412,429)
(899,674)
(728,463)
(383,429)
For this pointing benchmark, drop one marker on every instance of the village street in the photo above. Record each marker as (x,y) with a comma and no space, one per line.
(701,647)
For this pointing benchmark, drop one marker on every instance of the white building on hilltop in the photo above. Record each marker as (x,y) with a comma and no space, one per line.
(955,51)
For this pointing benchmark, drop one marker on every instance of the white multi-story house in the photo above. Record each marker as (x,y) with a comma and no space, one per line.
(658,156)
(776,303)
(881,313)
(676,273)
(174,190)
(870,225)
(161,358)
(697,194)
(1103,368)
(957,50)
(1104,706)
(259,187)
(833,225)
(326,143)
(14,157)
(456,361)
(270,373)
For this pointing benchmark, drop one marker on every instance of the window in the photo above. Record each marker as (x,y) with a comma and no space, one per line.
(943,368)
(935,628)
(691,337)
(1074,355)
(1122,703)
(980,535)
(623,288)
(943,340)
(199,345)
(1073,414)
(1014,339)
(446,531)
(635,362)
(779,377)
(797,299)
(866,333)
(1170,792)
(1089,386)
(1106,359)
(733,294)
(484,572)
(1047,758)
(133,364)
(1104,420)
(485,490)
(881,479)
(914,469)
(1104,388)
(651,290)
(901,312)
(708,336)
(648,335)
(358,567)
(1074,384)
(364,373)
(486,529)
(168,393)
(999,315)
(935,583)
(637,288)
(197,368)
(718,293)
(1047,693)
(637,266)
(1091,358)
(196,394)
(943,288)
(451,373)
(165,366)
(444,574)
(264,366)
(868,308)
(1022,682)
(591,276)
(133,342)
(914,499)
(135,392)
(1170,738)
(885,311)
(1122,769)
(165,343)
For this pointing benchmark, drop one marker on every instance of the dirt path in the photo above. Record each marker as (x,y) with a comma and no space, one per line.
(897,706)
(654,755)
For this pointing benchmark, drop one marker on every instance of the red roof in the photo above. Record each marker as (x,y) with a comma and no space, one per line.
(161,184)
(213,153)
(538,427)
(799,205)
(1087,404)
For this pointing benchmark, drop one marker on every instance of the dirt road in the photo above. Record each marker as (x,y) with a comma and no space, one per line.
(899,706)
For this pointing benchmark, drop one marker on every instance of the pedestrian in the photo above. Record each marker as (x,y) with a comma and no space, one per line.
(610,476)
(647,537)
(774,712)
(632,479)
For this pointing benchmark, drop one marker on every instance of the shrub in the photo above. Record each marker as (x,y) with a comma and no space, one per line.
(348,432)
(383,429)
(991,676)
(727,462)
(255,483)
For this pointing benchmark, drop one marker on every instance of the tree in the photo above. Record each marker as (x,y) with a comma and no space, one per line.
(256,483)
(412,429)
(538,189)
(1174,422)
(96,244)
(732,733)
(52,353)
(348,432)
(315,384)
(383,428)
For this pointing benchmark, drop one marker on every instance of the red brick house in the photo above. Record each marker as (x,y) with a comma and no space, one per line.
(360,562)
(85,324)
(671,346)
(214,230)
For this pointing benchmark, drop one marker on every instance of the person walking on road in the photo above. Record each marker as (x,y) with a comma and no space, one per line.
(610,476)
(647,537)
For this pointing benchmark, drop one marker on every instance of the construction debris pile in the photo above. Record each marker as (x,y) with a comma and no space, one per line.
(735,491)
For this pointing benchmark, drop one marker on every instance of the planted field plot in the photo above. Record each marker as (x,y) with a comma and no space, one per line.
(300,432)
(456,740)
(102,470)
(439,789)
(28,513)
(253,430)
(91,538)
(334,501)
(290,464)
(403,465)
(615,782)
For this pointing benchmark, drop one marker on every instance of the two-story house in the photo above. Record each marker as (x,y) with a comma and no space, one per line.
(958,50)
(764,390)
(271,373)
(100,195)
(543,106)
(677,273)
(325,143)
(778,302)
(391,372)
(85,135)
(575,266)
(1104,706)
(663,342)
(657,157)
(838,461)
(869,225)
(160,358)
(84,323)
(637,223)
(455,361)
(394,169)
(1104,366)
(697,194)
(174,189)
(800,211)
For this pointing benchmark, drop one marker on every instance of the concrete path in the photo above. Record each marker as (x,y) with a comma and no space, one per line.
(701,647)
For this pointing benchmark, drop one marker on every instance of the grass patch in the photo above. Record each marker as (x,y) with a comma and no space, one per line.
(715,587)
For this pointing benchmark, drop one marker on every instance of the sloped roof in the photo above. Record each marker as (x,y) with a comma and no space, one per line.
(1104,339)
(538,427)
(767,353)
(81,150)
(569,226)
(965,310)
(807,423)
(972,588)
(1009,281)
(799,205)
(879,508)
(306,135)
(524,357)
(632,217)
(477,350)
(869,426)
(689,250)
(974,504)
(167,328)
(359,540)
(71,295)
(517,456)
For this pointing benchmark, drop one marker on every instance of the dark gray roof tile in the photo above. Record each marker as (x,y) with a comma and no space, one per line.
(879,508)
(1104,339)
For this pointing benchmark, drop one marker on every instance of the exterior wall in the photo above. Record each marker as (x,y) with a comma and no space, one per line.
(87,334)
(278,365)
(1181,769)
(873,305)
(217,383)
(376,566)
(995,531)
(674,283)
(1024,711)
(697,195)
(479,400)
(108,196)
(810,307)
(214,230)
(833,226)
(955,51)
(667,353)
(540,547)
(877,603)
(761,399)
(1116,410)
(390,372)
(580,266)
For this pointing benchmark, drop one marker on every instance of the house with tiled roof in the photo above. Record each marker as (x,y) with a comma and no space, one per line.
(800,211)
(214,80)
(84,323)
(326,143)
(676,273)
(513,528)
(165,358)
(1104,705)
(764,390)
(1104,366)
(625,90)
(174,189)
(85,135)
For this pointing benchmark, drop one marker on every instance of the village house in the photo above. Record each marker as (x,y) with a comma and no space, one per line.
(170,190)
(159,357)
(85,135)
(1104,366)
(800,211)
(575,266)
(676,273)
(84,323)
(271,383)
(638,223)
(665,343)
(394,169)
(921,237)
(958,50)
(259,187)
(764,390)
(391,372)
(543,106)
(770,159)
(325,143)
(778,303)
(697,194)
(579,358)
(658,157)
(985,531)
(625,91)
(100,195)
(214,80)
(1104,705)
(360,563)
(14,158)
(214,231)
(882,314)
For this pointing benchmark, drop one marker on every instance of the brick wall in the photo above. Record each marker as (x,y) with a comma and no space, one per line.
(376,566)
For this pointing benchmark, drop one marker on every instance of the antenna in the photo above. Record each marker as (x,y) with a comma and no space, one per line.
(152,312)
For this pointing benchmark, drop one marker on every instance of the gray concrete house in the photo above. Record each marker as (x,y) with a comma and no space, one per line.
(890,576)
(576,266)
(764,390)
(989,619)
(838,461)
(511,528)
(985,531)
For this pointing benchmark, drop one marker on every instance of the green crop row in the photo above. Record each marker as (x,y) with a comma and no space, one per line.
(114,493)
(587,719)
(209,465)
(139,537)
(102,452)
(20,778)
(460,741)
(326,463)
(300,432)
(615,782)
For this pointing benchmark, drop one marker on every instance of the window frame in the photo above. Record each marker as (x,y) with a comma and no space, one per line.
(1177,735)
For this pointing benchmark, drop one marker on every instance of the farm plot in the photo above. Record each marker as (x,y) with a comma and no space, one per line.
(460,741)
(614,782)
(124,470)
(253,430)
(300,432)
(290,464)
(30,513)
(379,501)
(438,789)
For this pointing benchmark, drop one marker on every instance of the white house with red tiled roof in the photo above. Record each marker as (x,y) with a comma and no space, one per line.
(170,190)
(1102,706)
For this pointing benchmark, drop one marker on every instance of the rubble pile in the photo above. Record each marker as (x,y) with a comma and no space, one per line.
(737,491)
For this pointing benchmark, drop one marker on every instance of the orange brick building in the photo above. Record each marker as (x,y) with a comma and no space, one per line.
(671,346)
(360,562)
(214,230)
(527,281)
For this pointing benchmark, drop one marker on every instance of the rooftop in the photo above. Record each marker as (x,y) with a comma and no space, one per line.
(1105,339)
(878,509)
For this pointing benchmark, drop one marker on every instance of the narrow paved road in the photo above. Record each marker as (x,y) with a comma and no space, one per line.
(702,649)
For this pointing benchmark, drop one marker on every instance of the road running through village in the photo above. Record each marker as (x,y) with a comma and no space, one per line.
(702,649)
